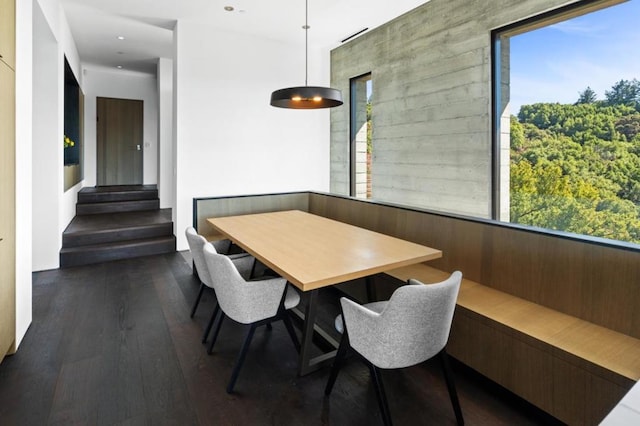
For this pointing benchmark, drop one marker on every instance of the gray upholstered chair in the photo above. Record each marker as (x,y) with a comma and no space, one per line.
(243,262)
(254,303)
(411,327)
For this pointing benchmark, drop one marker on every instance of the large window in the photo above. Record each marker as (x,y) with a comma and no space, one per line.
(361,141)
(567,121)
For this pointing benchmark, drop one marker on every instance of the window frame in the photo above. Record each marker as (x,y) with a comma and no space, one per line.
(353,130)
(532,23)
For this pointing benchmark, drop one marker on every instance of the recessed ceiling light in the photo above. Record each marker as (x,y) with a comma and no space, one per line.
(119,67)
(120,37)
(228,8)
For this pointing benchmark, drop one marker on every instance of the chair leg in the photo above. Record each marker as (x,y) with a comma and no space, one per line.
(337,363)
(210,324)
(195,305)
(451,386)
(269,326)
(382,397)
(221,316)
(241,356)
(287,323)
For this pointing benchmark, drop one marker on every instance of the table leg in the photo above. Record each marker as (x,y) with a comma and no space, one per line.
(307,363)
(307,331)
(372,295)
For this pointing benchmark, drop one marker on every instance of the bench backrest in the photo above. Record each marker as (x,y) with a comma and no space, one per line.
(599,283)
(595,282)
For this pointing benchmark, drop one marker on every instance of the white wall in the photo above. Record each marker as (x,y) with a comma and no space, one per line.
(102,82)
(229,140)
(166,186)
(47,153)
(23,167)
(52,41)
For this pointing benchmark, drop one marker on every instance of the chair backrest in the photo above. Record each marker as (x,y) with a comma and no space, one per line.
(242,301)
(413,326)
(196,245)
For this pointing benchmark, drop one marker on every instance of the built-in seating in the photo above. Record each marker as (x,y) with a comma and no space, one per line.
(576,359)
(552,318)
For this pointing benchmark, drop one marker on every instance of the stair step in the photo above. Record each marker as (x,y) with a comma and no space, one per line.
(104,194)
(97,253)
(77,239)
(109,227)
(117,222)
(117,206)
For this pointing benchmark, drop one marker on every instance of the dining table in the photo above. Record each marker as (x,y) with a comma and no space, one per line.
(313,252)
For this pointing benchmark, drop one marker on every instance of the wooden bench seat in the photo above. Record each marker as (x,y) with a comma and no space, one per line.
(549,337)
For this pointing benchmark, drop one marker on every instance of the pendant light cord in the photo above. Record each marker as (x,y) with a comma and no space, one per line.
(306,97)
(306,41)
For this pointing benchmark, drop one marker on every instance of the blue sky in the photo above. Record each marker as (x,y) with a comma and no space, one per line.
(556,63)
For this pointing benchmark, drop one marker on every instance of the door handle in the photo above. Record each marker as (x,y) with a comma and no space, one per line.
(138,147)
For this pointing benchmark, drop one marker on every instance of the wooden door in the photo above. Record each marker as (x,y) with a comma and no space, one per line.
(119,140)
(7,211)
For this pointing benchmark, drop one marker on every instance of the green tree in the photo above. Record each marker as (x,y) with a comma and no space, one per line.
(588,96)
(624,92)
(576,168)
(629,126)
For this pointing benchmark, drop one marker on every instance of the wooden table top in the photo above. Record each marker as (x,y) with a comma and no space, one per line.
(312,251)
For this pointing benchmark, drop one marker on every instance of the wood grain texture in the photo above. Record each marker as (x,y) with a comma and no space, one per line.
(539,314)
(8,34)
(7,210)
(565,390)
(513,332)
(119,130)
(596,283)
(592,347)
(581,398)
(233,206)
(313,252)
(601,397)
(522,368)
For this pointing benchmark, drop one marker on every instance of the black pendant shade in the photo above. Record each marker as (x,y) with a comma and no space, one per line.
(306,97)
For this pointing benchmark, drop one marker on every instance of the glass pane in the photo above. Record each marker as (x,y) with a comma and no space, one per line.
(361,132)
(569,125)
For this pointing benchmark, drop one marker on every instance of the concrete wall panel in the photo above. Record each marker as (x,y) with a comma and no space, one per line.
(431,71)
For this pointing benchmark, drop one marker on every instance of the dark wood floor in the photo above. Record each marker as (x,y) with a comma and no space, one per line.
(113,344)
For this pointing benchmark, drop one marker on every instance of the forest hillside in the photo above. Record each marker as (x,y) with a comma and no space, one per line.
(576,167)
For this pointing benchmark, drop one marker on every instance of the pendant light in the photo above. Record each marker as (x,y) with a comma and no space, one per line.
(306,97)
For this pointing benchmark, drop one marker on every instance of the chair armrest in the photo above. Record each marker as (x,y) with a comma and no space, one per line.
(361,324)
(262,299)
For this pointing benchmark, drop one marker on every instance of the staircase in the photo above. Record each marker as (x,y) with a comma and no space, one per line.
(117,222)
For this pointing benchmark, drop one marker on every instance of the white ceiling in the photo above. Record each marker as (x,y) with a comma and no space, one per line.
(147,25)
